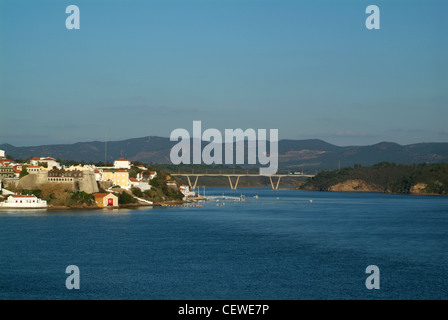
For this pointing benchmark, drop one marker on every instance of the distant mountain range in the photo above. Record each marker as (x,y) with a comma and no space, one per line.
(294,155)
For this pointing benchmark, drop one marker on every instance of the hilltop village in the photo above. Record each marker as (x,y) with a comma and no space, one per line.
(46,182)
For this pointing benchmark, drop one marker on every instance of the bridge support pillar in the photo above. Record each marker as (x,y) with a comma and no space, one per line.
(272,183)
(192,187)
(233,187)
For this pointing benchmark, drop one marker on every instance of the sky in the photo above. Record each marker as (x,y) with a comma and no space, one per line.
(310,69)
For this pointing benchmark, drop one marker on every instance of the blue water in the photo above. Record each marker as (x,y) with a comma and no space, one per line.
(279,246)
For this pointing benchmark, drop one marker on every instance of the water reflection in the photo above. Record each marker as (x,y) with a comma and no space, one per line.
(74,212)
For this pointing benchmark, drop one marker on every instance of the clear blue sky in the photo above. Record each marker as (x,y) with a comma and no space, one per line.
(310,69)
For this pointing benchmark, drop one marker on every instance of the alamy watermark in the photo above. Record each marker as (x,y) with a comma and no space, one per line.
(212,153)
(72,281)
(72,22)
(373,280)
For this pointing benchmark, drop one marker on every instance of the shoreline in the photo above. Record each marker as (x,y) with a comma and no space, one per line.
(171,203)
(121,206)
(371,191)
(177,203)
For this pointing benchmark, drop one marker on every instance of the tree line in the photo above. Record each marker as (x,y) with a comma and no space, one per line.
(388,177)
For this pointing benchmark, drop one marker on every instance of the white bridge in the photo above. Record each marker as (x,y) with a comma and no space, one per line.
(234,185)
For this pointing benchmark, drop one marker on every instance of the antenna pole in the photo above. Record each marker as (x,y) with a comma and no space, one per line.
(105,149)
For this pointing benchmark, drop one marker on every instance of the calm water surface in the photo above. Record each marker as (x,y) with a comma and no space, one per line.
(279,246)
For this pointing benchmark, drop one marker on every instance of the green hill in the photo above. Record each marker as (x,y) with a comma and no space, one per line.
(384,177)
(308,156)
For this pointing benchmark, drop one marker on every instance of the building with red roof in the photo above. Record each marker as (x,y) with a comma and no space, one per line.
(23,201)
(122,163)
(48,161)
(103,200)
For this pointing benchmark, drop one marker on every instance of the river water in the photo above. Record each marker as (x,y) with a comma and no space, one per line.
(277,246)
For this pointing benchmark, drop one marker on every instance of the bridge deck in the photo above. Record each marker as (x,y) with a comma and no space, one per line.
(238,176)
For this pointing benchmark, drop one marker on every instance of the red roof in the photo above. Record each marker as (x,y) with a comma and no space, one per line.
(133,179)
(122,159)
(22,196)
(101,195)
(35,158)
(121,171)
(48,158)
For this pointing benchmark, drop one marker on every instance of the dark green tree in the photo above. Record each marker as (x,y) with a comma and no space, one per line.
(24,172)
(125,198)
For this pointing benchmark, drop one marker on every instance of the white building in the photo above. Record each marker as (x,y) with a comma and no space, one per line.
(186,191)
(146,175)
(17,170)
(33,169)
(139,184)
(98,175)
(51,162)
(21,201)
(79,168)
(171,184)
(122,164)
(2,154)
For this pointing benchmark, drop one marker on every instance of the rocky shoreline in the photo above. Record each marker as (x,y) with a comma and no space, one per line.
(358,185)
